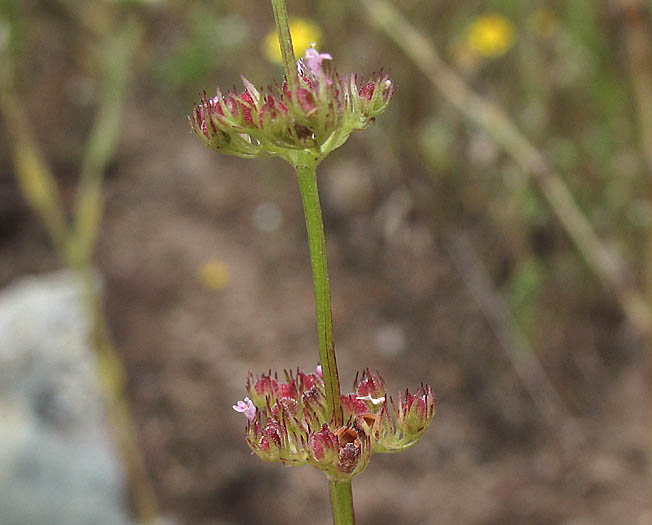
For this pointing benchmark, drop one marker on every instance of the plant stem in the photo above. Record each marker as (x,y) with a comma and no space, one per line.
(342,502)
(307,178)
(341,495)
(341,498)
(285,41)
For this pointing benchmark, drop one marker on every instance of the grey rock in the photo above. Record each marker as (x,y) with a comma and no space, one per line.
(58,465)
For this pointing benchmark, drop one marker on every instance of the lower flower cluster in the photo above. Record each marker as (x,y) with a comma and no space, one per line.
(288,421)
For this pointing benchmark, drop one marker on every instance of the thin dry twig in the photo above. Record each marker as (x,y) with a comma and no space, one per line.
(517,348)
(638,39)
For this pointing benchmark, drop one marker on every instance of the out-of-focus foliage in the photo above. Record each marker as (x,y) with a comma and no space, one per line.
(208,41)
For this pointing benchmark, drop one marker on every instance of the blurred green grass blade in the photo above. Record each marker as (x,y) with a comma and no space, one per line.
(37,183)
(115,55)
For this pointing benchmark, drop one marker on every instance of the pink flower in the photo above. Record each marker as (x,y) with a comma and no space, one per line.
(247,408)
(314,58)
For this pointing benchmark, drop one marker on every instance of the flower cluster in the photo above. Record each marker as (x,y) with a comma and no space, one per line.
(316,115)
(288,421)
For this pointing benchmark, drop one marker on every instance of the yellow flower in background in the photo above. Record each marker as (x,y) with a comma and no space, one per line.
(491,36)
(304,32)
(214,274)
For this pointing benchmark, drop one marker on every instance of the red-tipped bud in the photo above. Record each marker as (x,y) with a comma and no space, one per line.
(245,105)
(265,442)
(265,386)
(352,406)
(367,91)
(262,388)
(272,112)
(323,446)
(272,433)
(308,381)
(371,384)
(306,100)
(416,411)
(288,389)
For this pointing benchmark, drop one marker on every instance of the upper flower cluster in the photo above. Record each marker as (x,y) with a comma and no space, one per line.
(317,115)
(288,421)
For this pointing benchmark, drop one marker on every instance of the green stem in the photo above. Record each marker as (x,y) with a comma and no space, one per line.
(342,502)
(307,178)
(341,498)
(285,41)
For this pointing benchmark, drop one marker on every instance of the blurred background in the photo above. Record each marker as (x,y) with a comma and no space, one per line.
(495,247)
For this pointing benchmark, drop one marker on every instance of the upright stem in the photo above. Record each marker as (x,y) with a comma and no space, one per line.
(341,497)
(285,41)
(307,178)
(342,502)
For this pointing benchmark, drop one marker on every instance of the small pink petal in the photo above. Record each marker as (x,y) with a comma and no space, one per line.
(314,58)
(247,408)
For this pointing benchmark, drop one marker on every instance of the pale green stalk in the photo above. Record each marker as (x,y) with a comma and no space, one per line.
(341,496)
(306,175)
(342,502)
(285,41)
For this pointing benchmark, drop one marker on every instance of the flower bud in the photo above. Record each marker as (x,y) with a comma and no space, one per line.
(416,411)
(323,446)
(315,406)
(265,441)
(288,389)
(370,384)
(260,388)
(405,425)
(352,406)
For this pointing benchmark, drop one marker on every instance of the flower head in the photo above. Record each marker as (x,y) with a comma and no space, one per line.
(291,423)
(312,118)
